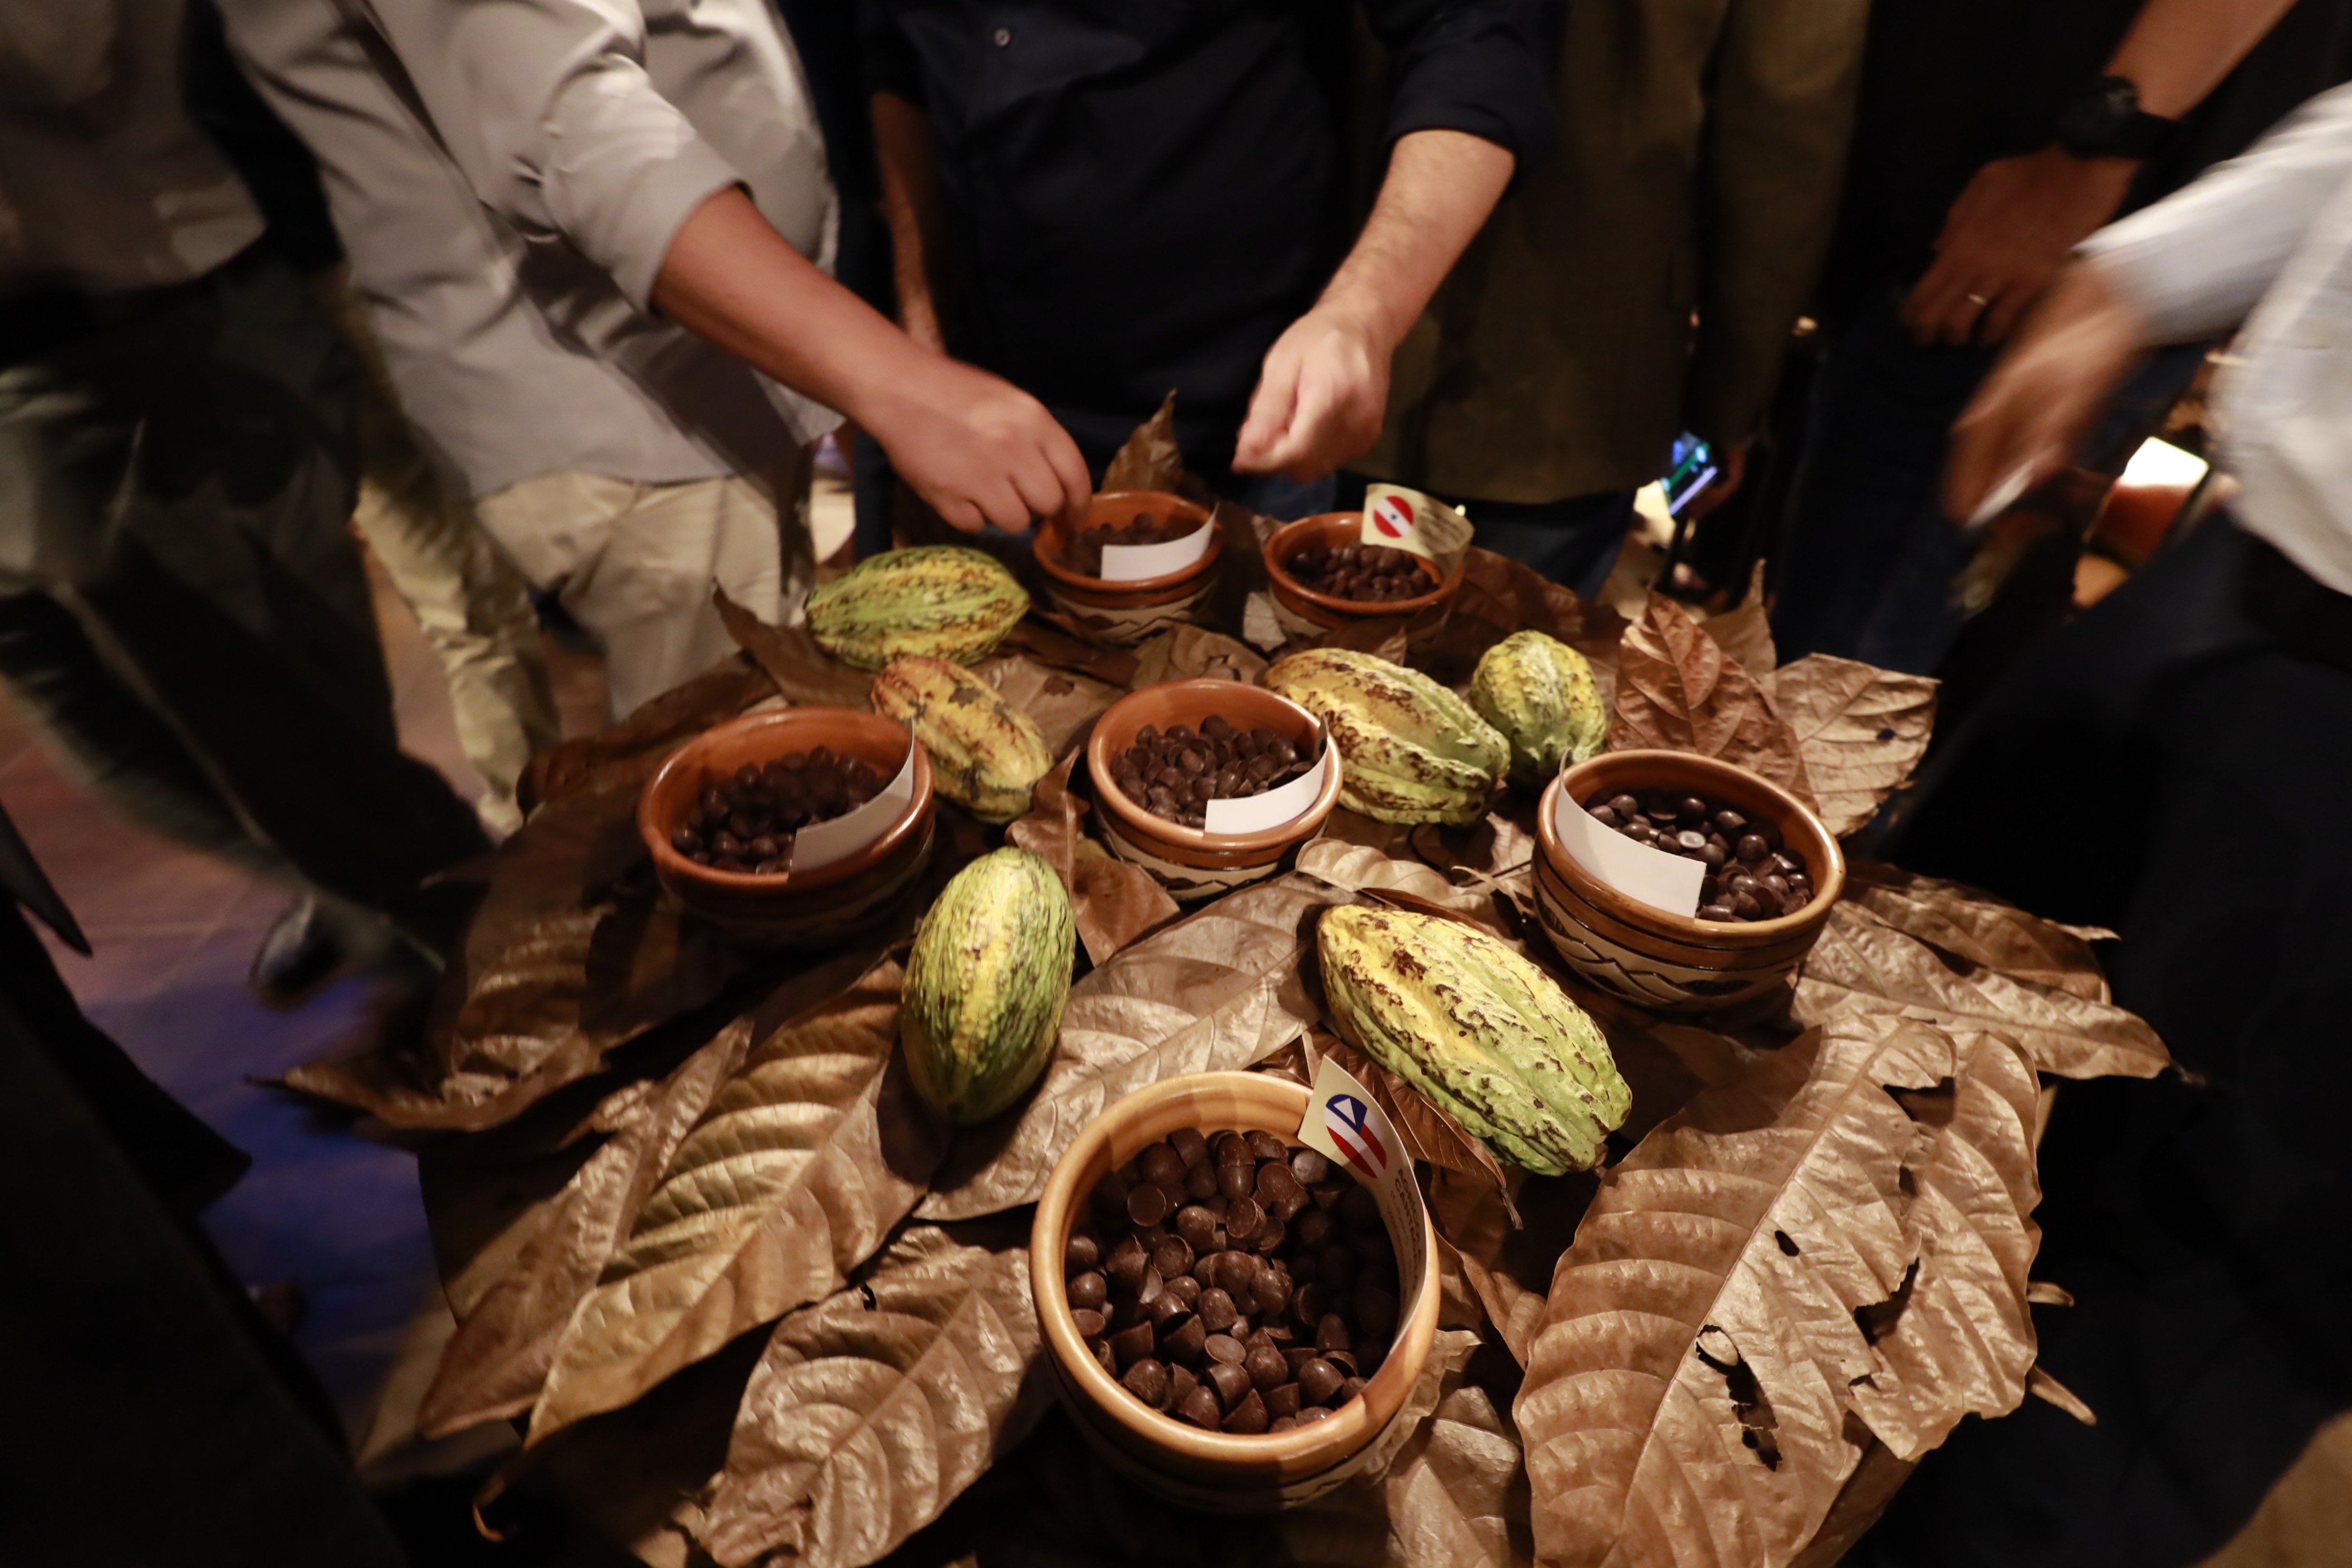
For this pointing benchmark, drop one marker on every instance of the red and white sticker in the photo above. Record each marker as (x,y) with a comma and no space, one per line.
(1391,517)
(1345,1122)
(1408,519)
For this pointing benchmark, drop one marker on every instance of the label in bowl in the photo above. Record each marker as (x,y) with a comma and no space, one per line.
(827,842)
(1134,562)
(1344,1121)
(1648,876)
(1407,519)
(1283,803)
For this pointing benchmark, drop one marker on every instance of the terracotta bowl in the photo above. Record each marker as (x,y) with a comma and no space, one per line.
(1192,862)
(1322,612)
(798,907)
(1128,612)
(1668,962)
(1216,1471)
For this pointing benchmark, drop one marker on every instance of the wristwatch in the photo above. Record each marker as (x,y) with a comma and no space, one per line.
(2106,120)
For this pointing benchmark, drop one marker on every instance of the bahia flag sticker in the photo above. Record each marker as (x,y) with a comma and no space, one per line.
(1408,519)
(1344,1121)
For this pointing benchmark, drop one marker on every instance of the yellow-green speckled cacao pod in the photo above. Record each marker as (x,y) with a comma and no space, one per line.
(1411,750)
(1478,1029)
(986,984)
(986,754)
(1539,693)
(947,601)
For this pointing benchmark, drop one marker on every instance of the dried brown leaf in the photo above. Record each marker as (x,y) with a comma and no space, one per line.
(1115,901)
(1151,460)
(1220,990)
(800,1167)
(1195,653)
(1875,1479)
(1979,928)
(1860,729)
(573,954)
(1062,703)
(1508,1260)
(1459,1497)
(1862,965)
(640,740)
(1499,596)
(1429,1131)
(1676,689)
(1745,633)
(2044,1386)
(871,1411)
(802,671)
(1363,868)
(1050,643)
(1747,1278)
(1356,1526)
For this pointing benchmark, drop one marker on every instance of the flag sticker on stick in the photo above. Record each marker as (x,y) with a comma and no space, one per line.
(1407,519)
(1391,515)
(1348,1120)
(1344,1122)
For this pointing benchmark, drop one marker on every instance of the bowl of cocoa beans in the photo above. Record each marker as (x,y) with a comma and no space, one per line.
(1127,611)
(1770,871)
(722,819)
(1159,756)
(1222,1304)
(1324,576)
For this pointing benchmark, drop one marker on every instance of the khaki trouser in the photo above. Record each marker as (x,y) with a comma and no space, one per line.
(635,563)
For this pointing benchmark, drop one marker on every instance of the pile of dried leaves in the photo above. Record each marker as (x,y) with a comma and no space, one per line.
(758,1307)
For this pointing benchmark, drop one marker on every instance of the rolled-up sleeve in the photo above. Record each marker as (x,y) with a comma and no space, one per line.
(1483,67)
(546,108)
(2197,262)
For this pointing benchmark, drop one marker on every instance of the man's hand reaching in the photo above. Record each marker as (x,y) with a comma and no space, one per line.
(978,449)
(1320,398)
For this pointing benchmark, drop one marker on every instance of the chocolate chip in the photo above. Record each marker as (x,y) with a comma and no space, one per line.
(1172,1255)
(1187,1343)
(1242,1218)
(1265,1367)
(1376,1310)
(1238,1181)
(1283,1402)
(1231,1384)
(1089,1290)
(1200,1409)
(1148,1381)
(1147,1204)
(1161,1165)
(1090,1325)
(1318,1380)
(1223,1347)
(1189,1146)
(1331,1332)
(1131,1345)
(1080,1252)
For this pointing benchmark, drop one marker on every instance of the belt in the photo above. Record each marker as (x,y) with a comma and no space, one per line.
(2287,602)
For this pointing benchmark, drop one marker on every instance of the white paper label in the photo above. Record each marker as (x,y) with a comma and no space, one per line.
(1134,562)
(1653,877)
(1256,813)
(827,842)
(1346,1123)
(1408,519)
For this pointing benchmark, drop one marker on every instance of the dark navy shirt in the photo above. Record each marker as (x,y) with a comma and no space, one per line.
(1143,195)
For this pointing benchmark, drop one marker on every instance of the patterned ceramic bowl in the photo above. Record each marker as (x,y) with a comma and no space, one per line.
(1194,864)
(1128,612)
(1669,962)
(1303,612)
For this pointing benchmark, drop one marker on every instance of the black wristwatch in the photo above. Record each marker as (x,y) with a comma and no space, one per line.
(2106,121)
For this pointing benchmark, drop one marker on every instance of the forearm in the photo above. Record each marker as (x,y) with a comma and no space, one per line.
(1441,186)
(907,156)
(2178,50)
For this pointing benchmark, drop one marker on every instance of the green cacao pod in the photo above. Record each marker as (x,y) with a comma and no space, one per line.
(1539,693)
(986,984)
(1478,1029)
(946,600)
(986,754)
(1413,752)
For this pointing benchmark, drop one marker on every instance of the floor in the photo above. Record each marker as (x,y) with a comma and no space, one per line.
(339,1215)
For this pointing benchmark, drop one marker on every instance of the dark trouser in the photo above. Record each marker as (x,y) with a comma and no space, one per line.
(179,597)
(2137,772)
(1868,558)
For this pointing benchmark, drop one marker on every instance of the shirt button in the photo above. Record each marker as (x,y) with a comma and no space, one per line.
(1004,37)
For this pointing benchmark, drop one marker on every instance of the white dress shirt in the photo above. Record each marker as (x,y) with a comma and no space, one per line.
(106,186)
(2266,239)
(507,177)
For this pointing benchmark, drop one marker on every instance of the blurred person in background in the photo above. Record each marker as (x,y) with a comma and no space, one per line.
(1102,203)
(590,242)
(1701,147)
(1992,137)
(2127,775)
(181,602)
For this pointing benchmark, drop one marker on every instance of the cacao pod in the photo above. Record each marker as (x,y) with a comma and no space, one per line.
(947,601)
(1478,1029)
(1411,750)
(1539,693)
(986,984)
(986,754)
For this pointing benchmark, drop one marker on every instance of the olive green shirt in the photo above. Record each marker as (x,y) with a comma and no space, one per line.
(1645,280)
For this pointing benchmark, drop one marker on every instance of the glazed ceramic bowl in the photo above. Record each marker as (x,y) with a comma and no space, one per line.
(1190,862)
(1669,962)
(1218,1471)
(1127,613)
(1303,611)
(797,908)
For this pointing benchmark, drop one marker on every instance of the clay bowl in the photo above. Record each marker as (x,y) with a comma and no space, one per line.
(1669,962)
(1127,613)
(796,909)
(1321,532)
(1217,1471)
(1192,862)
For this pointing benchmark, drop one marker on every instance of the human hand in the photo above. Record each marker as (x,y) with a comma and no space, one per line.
(1726,483)
(2031,410)
(2006,239)
(976,449)
(1320,397)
